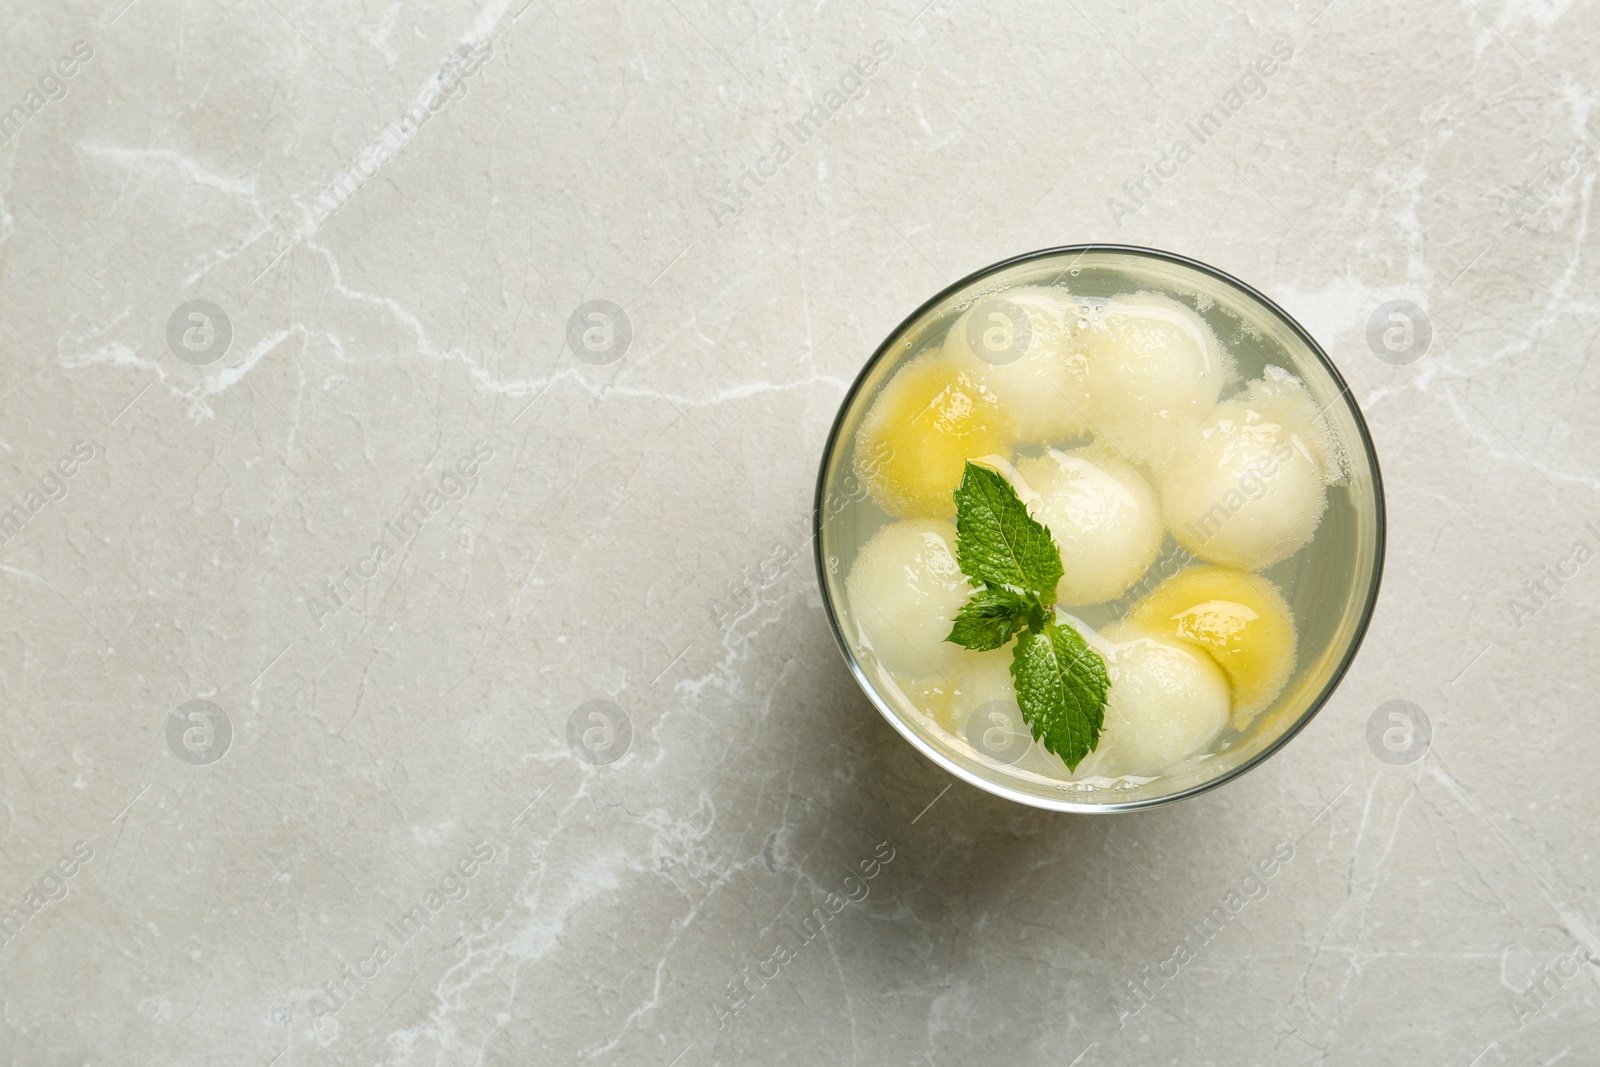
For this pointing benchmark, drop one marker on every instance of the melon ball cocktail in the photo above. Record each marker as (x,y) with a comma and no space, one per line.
(1110,528)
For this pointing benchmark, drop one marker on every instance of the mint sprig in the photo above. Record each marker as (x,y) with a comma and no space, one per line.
(1014,563)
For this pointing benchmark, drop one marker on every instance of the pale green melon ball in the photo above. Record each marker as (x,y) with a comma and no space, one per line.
(1250,486)
(905,589)
(1104,517)
(1168,701)
(1020,344)
(1153,369)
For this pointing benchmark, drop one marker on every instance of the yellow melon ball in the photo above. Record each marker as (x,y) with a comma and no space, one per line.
(921,430)
(1239,618)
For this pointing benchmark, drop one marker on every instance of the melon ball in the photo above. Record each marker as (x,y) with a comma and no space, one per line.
(987,678)
(1249,487)
(1242,622)
(1281,397)
(904,590)
(1153,369)
(1105,518)
(927,422)
(988,717)
(935,698)
(986,711)
(1020,346)
(952,700)
(1167,702)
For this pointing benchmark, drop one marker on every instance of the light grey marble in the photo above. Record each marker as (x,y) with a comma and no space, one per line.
(393,727)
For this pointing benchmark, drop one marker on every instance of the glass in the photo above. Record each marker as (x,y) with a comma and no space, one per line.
(1331,584)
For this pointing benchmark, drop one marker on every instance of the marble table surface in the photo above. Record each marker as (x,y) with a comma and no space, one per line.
(408,425)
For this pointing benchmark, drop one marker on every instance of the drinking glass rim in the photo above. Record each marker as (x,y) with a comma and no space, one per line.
(1369,604)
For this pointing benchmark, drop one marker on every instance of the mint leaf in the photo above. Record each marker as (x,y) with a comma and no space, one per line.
(1061,687)
(988,620)
(998,542)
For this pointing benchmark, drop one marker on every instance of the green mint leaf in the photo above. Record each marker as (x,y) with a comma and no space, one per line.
(998,542)
(988,620)
(1061,688)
